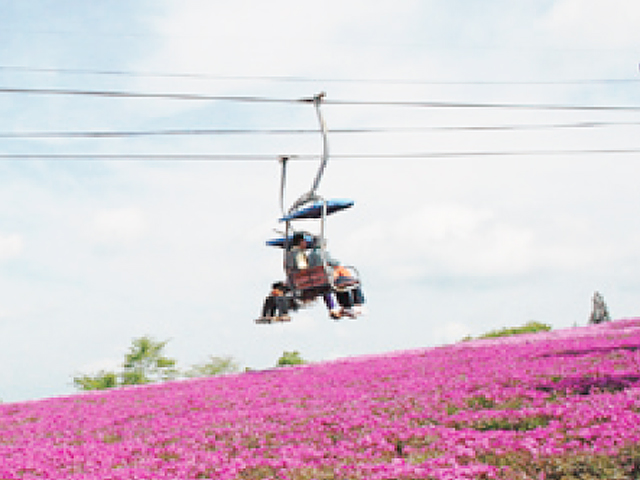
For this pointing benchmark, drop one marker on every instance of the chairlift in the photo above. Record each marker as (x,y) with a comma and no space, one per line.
(304,286)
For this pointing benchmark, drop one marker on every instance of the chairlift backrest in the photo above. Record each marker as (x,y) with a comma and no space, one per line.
(310,278)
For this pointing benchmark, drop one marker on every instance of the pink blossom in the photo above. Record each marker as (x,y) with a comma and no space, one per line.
(438,413)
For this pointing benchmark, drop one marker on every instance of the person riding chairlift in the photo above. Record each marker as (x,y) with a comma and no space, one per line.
(276,305)
(297,259)
(347,290)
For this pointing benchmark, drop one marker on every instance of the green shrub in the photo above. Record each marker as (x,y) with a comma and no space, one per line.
(529,327)
(290,358)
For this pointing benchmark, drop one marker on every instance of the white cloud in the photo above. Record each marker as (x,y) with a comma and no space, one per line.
(449,332)
(280,38)
(204,268)
(450,239)
(275,37)
(459,240)
(597,24)
(11,246)
(118,226)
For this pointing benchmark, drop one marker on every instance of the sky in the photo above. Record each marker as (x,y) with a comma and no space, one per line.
(491,149)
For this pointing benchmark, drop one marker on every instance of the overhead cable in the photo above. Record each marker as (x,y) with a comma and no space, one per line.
(122,94)
(302,79)
(310,157)
(262,99)
(302,131)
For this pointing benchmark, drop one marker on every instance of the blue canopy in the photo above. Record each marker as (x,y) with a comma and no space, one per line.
(314,210)
(279,242)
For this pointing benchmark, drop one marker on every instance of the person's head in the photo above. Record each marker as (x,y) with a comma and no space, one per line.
(298,240)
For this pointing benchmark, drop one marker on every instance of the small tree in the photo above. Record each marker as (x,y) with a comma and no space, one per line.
(599,311)
(215,366)
(290,358)
(101,381)
(145,363)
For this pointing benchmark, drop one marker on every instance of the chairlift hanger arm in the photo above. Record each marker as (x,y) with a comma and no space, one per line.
(311,195)
(283,181)
(317,100)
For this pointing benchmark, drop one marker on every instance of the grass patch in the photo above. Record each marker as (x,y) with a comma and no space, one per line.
(523,424)
(529,327)
(623,466)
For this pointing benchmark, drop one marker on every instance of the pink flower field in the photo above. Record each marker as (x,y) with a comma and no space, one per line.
(552,405)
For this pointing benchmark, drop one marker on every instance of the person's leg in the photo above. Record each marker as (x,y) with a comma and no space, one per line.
(269,307)
(330,302)
(344,299)
(358,296)
(281,305)
(358,300)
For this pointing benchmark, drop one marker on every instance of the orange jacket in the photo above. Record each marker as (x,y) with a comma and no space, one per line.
(340,271)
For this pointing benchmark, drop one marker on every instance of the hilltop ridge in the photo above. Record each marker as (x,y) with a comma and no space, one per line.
(563,402)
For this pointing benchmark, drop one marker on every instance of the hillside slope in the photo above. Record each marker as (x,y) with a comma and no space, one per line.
(560,404)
